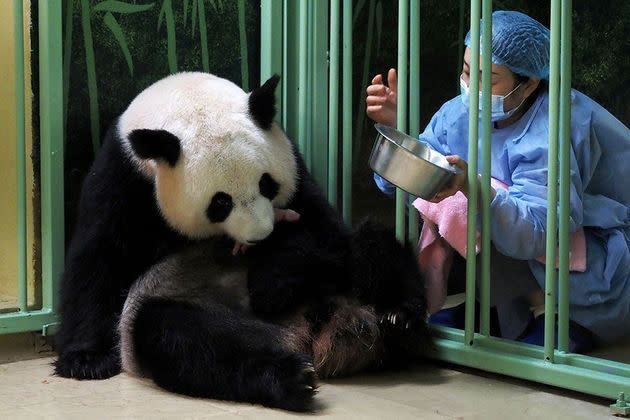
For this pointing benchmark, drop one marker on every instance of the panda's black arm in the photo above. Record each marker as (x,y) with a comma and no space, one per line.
(304,260)
(91,300)
(296,267)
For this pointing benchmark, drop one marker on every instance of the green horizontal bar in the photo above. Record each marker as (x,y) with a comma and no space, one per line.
(520,358)
(18,322)
(533,369)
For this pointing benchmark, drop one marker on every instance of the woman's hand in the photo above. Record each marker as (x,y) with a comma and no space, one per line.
(280,215)
(382,100)
(459,183)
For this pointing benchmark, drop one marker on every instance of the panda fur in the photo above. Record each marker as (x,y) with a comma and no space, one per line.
(194,157)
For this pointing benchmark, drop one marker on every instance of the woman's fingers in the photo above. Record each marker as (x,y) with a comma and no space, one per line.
(375,100)
(392,80)
(380,90)
(377,80)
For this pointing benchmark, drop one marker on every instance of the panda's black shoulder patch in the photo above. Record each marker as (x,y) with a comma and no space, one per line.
(155,144)
(262,103)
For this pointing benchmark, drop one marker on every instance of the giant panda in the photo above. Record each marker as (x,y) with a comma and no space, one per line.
(193,165)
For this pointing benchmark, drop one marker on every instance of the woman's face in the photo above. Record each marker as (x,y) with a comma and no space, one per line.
(503,81)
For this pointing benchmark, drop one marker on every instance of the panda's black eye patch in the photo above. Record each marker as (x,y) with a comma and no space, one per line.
(220,207)
(268,186)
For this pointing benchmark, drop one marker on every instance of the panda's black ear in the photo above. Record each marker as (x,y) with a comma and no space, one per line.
(262,103)
(155,144)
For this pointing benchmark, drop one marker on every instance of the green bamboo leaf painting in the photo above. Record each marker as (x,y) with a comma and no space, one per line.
(121,7)
(379,25)
(203,34)
(167,12)
(112,24)
(185,12)
(90,63)
(194,15)
(357,11)
(161,15)
(67,54)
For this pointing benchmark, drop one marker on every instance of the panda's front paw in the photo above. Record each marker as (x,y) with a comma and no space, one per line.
(88,364)
(408,318)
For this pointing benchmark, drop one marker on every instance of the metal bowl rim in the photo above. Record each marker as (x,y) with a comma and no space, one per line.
(451,170)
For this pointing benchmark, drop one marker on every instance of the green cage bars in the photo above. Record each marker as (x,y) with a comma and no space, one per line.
(51,137)
(310,44)
(549,365)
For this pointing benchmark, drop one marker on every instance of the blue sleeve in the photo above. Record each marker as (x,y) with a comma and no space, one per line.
(519,214)
(384,185)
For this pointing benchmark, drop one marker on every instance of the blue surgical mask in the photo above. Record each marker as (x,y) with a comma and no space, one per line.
(498,112)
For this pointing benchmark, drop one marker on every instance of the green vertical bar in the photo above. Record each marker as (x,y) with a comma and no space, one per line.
(346,207)
(333,103)
(565,163)
(270,38)
(302,77)
(414,100)
(486,73)
(285,62)
(319,93)
(51,137)
(308,115)
(403,92)
(20,154)
(552,183)
(473,146)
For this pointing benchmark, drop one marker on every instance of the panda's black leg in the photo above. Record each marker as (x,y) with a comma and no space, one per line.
(386,275)
(218,353)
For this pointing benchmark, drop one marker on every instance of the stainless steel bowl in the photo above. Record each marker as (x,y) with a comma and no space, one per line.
(409,164)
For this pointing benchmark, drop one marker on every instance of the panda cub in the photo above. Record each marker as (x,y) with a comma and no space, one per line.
(192,166)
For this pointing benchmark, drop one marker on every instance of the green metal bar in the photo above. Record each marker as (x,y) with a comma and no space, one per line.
(17,322)
(285,62)
(51,137)
(565,163)
(270,38)
(473,146)
(308,116)
(486,73)
(403,94)
(319,92)
(333,103)
(552,183)
(346,206)
(302,77)
(20,123)
(414,100)
(499,361)
(537,352)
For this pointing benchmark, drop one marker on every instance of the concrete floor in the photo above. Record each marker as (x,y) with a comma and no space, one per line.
(28,391)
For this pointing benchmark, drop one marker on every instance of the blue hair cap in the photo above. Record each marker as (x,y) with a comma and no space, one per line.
(520,43)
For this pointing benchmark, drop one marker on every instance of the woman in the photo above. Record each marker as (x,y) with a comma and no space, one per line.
(599,202)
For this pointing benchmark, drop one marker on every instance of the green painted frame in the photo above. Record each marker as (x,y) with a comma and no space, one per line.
(51,141)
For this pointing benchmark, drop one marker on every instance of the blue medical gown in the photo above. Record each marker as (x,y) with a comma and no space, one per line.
(599,197)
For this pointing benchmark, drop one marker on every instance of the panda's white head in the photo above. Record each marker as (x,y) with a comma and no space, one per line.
(219,163)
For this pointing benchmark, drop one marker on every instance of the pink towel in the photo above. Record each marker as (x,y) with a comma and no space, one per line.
(444,230)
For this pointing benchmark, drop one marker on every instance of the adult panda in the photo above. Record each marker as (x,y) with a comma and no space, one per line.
(194,157)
